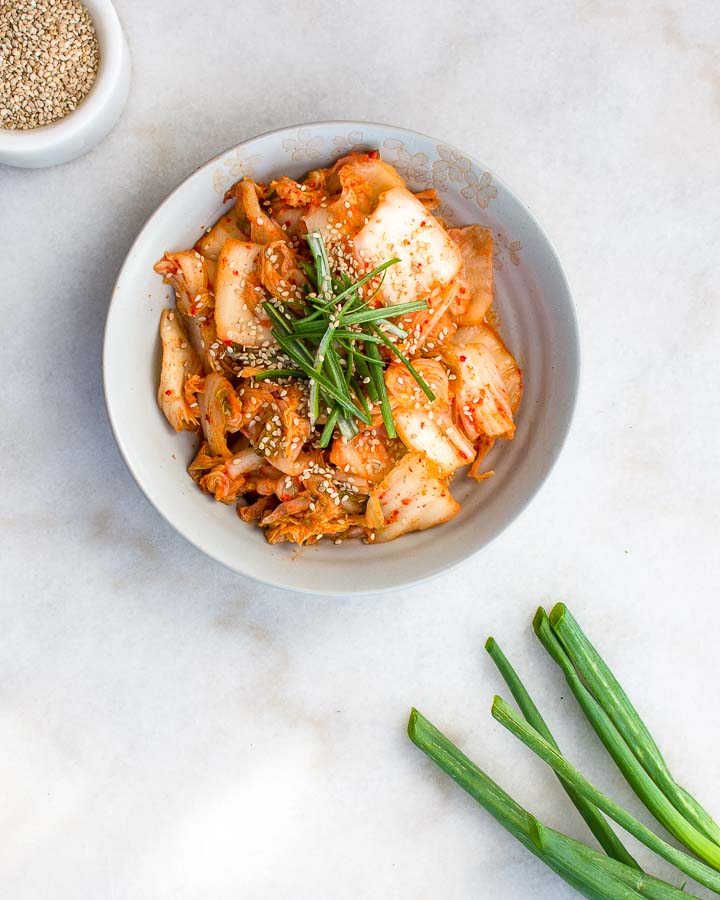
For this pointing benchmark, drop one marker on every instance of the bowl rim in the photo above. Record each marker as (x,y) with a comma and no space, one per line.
(287,584)
(111,41)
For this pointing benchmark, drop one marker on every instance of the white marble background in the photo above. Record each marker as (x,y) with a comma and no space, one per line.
(170,730)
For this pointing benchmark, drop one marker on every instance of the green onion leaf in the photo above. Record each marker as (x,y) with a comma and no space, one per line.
(279,320)
(638,779)
(361,365)
(535,742)
(279,373)
(360,395)
(310,272)
(393,329)
(322,381)
(322,263)
(328,344)
(366,278)
(376,373)
(327,431)
(348,428)
(384,312)
(597,871)
(608,692)
(588,871)
(406,362)
(596,822)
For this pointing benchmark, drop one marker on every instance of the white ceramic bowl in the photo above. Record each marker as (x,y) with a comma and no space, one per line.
(537,322)
(78,132)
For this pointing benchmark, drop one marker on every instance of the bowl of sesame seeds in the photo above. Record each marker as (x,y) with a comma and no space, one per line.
(535,316)
(64,79)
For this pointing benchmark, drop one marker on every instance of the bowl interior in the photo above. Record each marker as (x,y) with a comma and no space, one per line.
(536,318)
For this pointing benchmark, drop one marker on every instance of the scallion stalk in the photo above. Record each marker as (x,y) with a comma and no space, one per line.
(636,776)
(372,315)
(597,868)
(368,277)
(587,870)
(327,431)
(376,373)
(279,373)
(322,263)
(325,343)
(596,822)
(518,726)
(614,701)
(348,428)
(406,362)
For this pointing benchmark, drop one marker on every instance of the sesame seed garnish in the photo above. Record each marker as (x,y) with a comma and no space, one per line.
(49,58)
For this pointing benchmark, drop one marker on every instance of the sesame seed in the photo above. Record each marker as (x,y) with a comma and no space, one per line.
(49,57)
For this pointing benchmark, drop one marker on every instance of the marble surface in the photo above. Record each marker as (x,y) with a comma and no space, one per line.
(169,730)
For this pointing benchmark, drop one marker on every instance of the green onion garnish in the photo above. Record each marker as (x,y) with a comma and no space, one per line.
(334,345)
(278,373)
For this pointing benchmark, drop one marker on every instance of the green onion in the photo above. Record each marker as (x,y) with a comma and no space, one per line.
(590,865)
(322,263)
(535,742)
(348,428)
(341,335)
(315,316)
(592,873)
(596,822)
(327,431)
(341,281)
(406,362)
(470,778)
(359,355)
(278,319)
(366,278)
(278,373)
(615,703)
(325,343)
(372,315)
(587,870)
(361,366)
(376,373)
(343,399)
(349,365)
(292,346)
(309,272)
(358,390)
(588,873)
(393,329)
(318,362)
(334,369)
(638,779)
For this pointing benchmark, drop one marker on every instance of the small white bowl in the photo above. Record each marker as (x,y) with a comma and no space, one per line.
(537,321)
(94,118)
